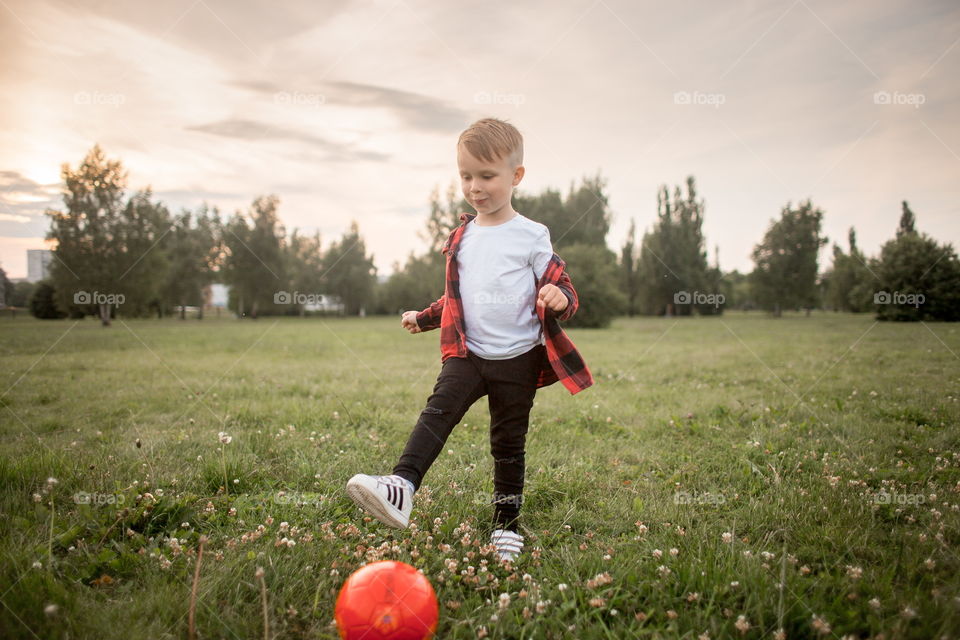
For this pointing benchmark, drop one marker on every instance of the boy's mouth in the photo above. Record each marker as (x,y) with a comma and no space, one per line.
(481,201)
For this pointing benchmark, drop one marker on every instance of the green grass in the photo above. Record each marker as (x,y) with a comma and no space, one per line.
(819,444)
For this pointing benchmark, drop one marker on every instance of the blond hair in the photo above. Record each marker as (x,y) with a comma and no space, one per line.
(490,139)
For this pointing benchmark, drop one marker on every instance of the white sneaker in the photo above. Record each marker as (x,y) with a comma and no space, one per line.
(508,544)
(387,498)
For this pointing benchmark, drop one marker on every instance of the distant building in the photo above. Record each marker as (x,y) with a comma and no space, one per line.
(38,264)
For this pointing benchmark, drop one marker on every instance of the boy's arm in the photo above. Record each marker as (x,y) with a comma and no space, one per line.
(429,318)
(573,301)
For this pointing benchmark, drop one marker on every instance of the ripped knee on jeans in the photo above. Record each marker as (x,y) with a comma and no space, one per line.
(508,460)
(432,410)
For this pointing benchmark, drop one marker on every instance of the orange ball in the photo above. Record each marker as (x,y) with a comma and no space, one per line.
(386,600)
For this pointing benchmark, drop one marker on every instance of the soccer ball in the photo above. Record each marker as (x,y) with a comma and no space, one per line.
(386,600)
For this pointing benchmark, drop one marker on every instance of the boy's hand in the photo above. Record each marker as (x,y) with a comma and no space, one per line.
(409,321)
(551,296)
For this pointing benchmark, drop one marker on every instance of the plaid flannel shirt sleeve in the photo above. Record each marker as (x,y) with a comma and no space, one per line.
(573,301)
(429,318)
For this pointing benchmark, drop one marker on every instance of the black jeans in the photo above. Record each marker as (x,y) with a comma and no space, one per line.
(510,385)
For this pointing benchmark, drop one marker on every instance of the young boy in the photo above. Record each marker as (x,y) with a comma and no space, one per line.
(505,292)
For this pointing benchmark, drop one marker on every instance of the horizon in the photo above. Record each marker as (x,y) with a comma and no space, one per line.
(334,109)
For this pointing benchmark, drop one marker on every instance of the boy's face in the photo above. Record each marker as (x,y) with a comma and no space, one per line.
(488,186)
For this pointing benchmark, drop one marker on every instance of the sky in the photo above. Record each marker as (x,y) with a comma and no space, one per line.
(350,110)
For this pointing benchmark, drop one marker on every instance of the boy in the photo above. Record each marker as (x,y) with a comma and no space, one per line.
(505,292)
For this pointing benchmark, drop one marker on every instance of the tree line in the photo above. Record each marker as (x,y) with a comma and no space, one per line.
(135,257)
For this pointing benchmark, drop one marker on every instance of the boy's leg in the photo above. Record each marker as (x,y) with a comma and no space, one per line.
(458,386)
(512,386)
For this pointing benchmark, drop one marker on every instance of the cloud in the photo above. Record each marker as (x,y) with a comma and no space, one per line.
(414,110)
(253,131)
(23,199)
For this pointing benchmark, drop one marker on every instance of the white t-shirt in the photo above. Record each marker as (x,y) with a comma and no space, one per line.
(499,269)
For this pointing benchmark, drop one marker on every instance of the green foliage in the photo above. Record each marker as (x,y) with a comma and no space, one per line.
(42,304)
(785,262)
(850,283)
(194,254)
(348,272)
(593,272)
(255,264)
(673,261)
(919,279)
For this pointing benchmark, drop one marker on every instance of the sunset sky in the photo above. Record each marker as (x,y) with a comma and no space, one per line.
(350,110)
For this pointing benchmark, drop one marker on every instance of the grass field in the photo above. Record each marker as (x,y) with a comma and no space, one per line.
(725,477)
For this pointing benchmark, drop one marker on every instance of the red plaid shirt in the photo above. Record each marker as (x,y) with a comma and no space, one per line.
(564,361)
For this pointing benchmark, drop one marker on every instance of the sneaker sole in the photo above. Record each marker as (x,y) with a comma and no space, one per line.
(369,500)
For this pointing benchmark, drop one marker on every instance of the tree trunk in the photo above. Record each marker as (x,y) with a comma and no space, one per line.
(776,310)
(183,311)
(105,315)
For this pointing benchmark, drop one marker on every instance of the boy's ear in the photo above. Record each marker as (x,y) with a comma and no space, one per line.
(518,175)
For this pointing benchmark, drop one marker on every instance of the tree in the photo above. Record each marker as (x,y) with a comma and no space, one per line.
(141,252)
(785,262)
(583,217)
(848,283)
(42,304)
(87,263)
(630,281)
(593,273)
(673,261)
(6,290)
(348,272)
(919,279)
(193,252)
(305,266)
(254,264)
